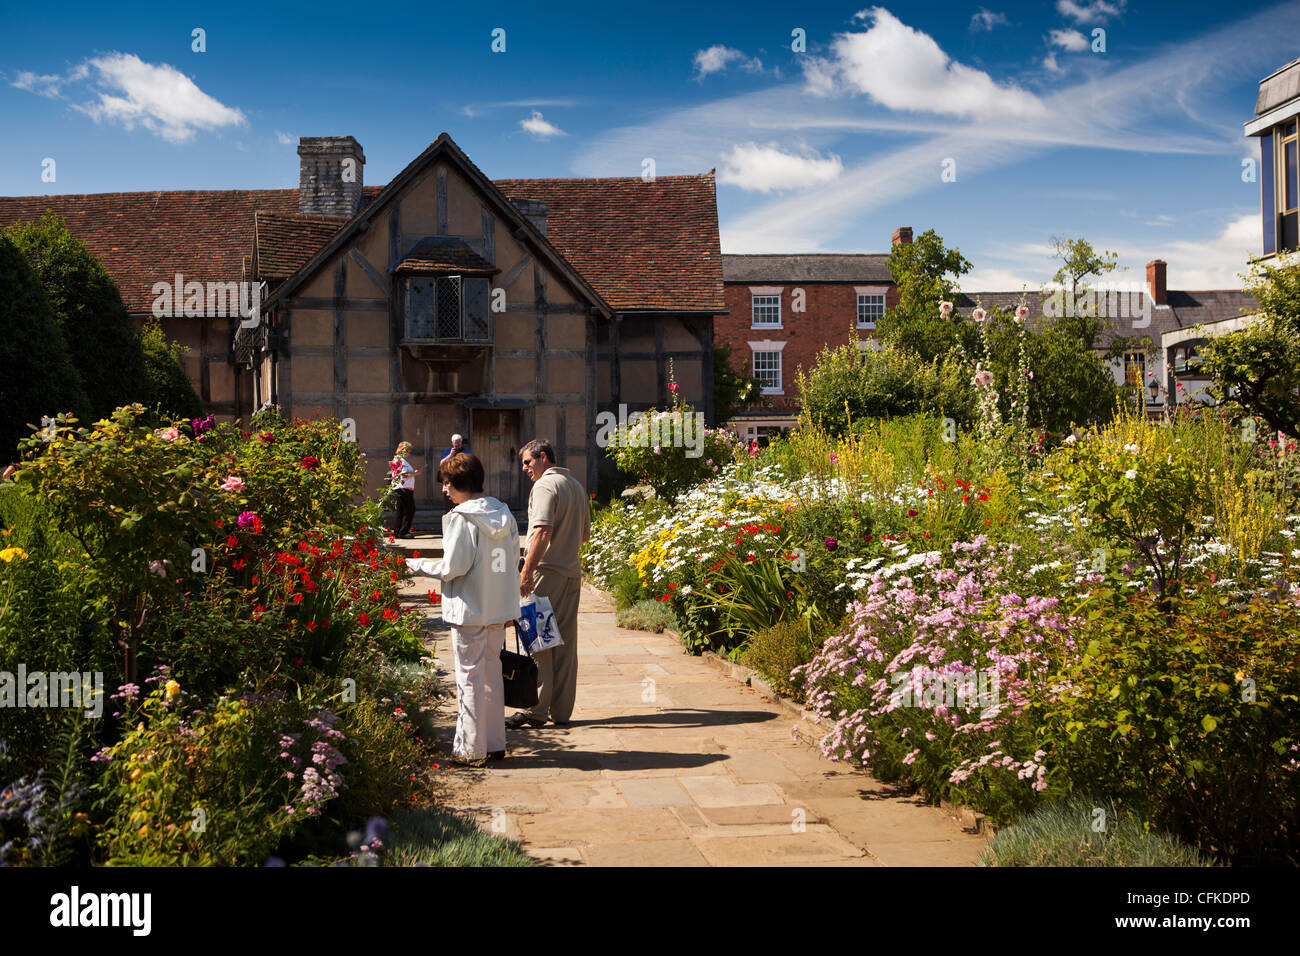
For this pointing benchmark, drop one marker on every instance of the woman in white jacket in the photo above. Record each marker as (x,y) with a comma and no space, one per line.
(480,596)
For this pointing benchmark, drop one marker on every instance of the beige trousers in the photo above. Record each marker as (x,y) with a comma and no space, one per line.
(557,668)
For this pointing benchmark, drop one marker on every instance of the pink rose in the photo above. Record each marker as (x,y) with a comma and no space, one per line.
(233,483)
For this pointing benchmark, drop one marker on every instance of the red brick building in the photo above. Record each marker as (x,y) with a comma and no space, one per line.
(784,309)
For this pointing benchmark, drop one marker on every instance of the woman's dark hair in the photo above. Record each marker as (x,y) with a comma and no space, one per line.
(464,472)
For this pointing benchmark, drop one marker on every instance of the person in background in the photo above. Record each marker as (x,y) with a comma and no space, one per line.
(457,446)
(403,479)
(477,570)
(559,521)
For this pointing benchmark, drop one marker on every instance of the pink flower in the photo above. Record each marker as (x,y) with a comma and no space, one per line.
(945,309)
(310,462)
(835,459)
(1022,313)
(672,386)
(233,483)
(247,519)
(978,315)
(169,434)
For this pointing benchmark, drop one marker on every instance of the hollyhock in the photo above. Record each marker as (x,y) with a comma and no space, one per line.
(310,462)
(945,309)
(979,315)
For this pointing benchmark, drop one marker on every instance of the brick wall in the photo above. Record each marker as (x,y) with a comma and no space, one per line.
(830,313)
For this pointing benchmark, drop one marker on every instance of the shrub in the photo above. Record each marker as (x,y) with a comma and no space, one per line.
(850,384)
(217,785)
(100,334)
(646,616)
(1080,831)
(1191,718)
(39,377)
(167,391)
(652,447)
(776,652)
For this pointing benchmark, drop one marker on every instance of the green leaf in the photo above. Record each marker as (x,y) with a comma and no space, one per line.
(1209,723)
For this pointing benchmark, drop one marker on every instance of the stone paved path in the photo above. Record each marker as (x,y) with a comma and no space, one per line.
(669,762)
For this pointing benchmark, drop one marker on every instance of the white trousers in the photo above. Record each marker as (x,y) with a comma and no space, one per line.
(481,717)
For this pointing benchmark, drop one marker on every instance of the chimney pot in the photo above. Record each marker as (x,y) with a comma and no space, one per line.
(330,176)
(902,236)
(1156,281)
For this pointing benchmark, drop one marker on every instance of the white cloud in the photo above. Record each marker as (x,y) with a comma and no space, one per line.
(986,20)
(1071,40)
(540,127)
(1213,263)
(1090,11)
(1050,63)
(468,111)
(285,139)
(49,84)
(158,97)
(905,69)
(132,92)
(718,57)
(765,168)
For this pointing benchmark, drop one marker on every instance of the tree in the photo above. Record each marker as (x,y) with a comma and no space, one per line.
(732,390)
(100,334)
(921,271)
(1260,365)
(167,388)
(37,377)
(1078,261)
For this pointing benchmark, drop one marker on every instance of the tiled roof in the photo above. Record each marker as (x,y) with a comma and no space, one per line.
(445,253)
(806,268)
(641,245)
(286,242)
(143,238)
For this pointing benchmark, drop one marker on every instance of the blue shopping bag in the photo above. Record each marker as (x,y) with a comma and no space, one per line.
(537,623)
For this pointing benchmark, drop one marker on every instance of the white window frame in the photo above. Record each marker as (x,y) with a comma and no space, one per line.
(869,290)
(768,347)
(756,292)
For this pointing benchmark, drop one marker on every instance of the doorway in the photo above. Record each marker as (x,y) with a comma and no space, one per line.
(494,436)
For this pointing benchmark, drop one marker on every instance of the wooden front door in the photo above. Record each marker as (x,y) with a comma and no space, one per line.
(494,438)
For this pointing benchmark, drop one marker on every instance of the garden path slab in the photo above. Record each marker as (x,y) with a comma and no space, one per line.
(693,769)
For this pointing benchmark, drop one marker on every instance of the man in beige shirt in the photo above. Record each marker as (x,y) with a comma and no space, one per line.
(559,521)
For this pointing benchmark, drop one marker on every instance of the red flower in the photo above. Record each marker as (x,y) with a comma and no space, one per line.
(311,625)
(415,554)
(965,499)
(911,512)
(365,619)
(389,614)
(984,498)
(231,541)
(219,523)
(376,596)
(393,576)
(237,564)
(310,462)
(297,599)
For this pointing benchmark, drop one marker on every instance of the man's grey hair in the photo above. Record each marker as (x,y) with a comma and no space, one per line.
(539,446)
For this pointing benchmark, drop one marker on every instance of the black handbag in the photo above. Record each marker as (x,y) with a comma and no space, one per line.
(518,676)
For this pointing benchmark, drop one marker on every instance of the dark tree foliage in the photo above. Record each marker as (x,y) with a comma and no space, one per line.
(37,378)
(100,334)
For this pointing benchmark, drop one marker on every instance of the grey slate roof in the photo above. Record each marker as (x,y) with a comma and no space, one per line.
(1186,310)
(815,267)
(1277,88)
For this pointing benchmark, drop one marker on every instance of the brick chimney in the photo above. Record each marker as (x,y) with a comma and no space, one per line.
(329,175)
(902,236)
(1156,281)
(534,211)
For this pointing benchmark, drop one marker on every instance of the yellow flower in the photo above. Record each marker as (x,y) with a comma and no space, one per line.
(173,689)
(8,554)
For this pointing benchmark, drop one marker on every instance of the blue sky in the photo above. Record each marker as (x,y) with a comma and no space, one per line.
(1137,148)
